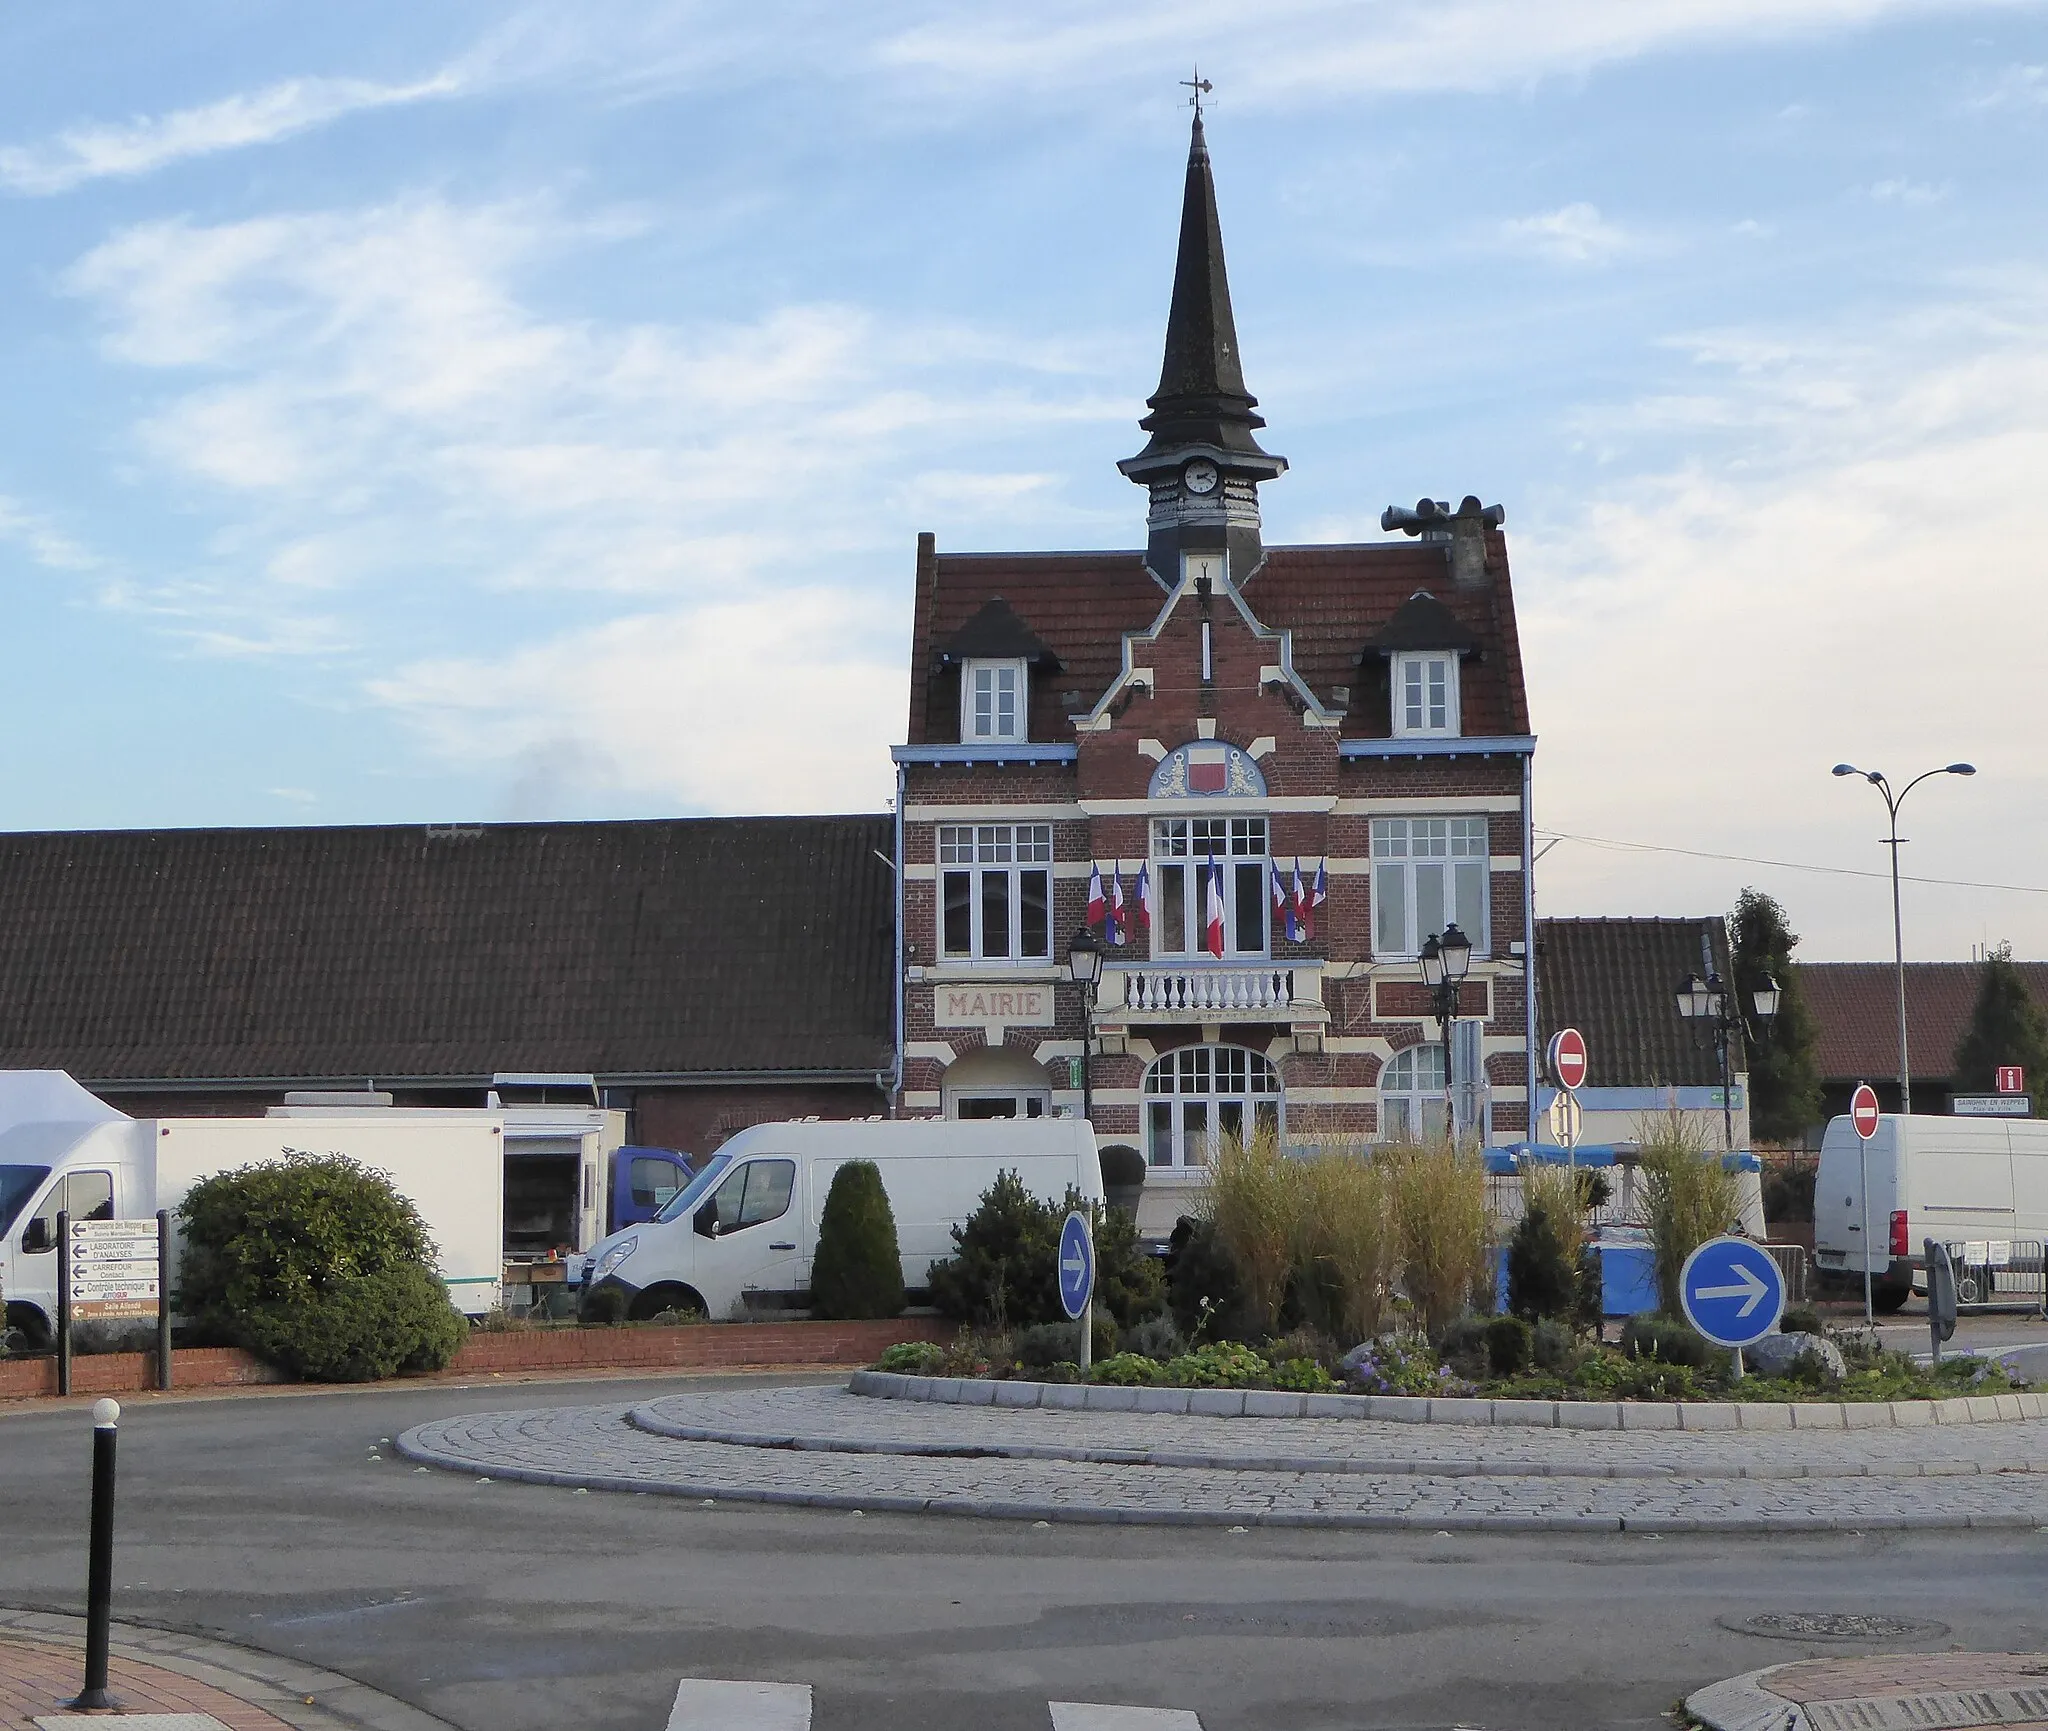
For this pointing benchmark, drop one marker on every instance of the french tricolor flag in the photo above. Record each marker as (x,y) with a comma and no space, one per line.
(1214,909)
(1319,895)
(1283,909)
(1119,921)
(1143,902)
(1300,918)
(1096,907)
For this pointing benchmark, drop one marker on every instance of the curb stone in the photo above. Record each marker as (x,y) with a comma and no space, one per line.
(279,1686)
(1409,1409)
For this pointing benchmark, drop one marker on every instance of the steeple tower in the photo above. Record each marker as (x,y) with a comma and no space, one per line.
(1202,465)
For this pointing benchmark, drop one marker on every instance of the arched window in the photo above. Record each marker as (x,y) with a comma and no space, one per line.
(1200,1094)
(1413,1096)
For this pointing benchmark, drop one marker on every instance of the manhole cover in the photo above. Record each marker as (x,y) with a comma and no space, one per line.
(1835,1626)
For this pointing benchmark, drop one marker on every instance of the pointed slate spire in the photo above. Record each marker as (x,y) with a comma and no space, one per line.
(1201,402)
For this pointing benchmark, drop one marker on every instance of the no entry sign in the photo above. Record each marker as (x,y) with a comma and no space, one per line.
(1567,1058)
(1863,1110)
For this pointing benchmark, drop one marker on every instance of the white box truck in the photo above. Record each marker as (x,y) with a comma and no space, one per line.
(1974,1180)
(741,1235)
(64,1149)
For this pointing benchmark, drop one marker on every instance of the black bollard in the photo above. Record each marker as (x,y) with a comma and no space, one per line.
(99,1589)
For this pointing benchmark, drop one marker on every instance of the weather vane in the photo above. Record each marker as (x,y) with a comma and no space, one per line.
(1201,88)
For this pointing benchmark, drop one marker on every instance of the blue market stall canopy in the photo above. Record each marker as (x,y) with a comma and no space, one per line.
(1505,1161)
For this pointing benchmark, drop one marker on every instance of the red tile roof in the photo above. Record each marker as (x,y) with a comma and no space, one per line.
(1616,982)
(1856,1005)
(1333,599)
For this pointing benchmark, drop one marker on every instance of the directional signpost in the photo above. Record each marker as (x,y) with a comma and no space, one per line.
(1733,1292)
(1077,1279)
(113,1270)
(1863,1114)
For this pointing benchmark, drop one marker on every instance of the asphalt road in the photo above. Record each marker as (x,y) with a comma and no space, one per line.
(268,1521)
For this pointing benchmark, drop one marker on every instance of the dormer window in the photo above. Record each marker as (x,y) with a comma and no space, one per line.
(1426,694)
(993,701)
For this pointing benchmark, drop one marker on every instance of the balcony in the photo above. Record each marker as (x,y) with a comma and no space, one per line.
(1211,991)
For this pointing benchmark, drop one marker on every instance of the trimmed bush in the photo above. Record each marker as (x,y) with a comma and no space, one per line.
(320,1266)
(1045,1344)
(1665,1339)
(913,1358)
(1462,1345)
(1003,1273)
(858,1270)
(1508,1345)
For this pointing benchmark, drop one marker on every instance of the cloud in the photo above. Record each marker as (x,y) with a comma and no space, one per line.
(1572,234)
(777,704)
(46,544)
(147,143)
(1839,564)
(1906,192)
(1287,50)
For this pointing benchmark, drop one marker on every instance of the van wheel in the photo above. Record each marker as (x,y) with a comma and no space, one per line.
(1888,1300)
(653,1301)
(28,1330)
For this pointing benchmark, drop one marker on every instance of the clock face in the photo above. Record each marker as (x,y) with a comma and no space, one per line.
(1200,476)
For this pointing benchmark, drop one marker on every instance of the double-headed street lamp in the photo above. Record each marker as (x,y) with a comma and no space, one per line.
(1892,802)
(1713,1002)
(1445,961)
(1084,963)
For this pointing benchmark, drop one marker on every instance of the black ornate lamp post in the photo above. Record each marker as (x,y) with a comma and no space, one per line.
(1084,963)
(1892,802)
(1444,962)
(1712,1003)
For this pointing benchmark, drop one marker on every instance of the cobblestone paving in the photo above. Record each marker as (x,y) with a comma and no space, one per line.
(601,1448)
(831,1419)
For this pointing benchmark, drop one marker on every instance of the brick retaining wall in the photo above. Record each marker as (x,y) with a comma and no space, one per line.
(708,1346)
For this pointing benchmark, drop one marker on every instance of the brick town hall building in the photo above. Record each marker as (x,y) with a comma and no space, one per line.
(1215,717)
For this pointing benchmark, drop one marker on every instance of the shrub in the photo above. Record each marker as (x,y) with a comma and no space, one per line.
(1155,1337)
(1398,1367)
(1300,1376)
(1445,1242)
(912,1358)
(1553,1347)
(1801,1320)
(319,1265)
(1344,1243)
(1203,1288)
(1224,1364)
(1126,1370)
(1508,1345)
(858,1270)
(1689,1197)
(1003,1272)
(1462,1345)
(1665,1339)
(603,1307)
(1045,1344)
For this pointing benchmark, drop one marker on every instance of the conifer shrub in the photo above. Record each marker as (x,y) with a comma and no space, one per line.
(858,1270)
(1509,1345)
(1003,1271)
(1543,1271)
(319,1265)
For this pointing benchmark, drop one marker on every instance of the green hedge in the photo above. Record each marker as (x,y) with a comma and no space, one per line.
(858,1270)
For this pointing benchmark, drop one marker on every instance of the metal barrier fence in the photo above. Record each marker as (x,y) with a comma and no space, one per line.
(1999,1274)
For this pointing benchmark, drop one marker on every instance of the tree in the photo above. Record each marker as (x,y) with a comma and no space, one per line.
(2006,1027)
(1784,1070)
(858,1271)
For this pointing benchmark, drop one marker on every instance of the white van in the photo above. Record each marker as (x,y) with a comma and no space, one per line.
(741,1235)
(1983,1181)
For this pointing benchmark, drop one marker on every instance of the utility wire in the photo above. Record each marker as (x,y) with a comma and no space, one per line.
(1789,864)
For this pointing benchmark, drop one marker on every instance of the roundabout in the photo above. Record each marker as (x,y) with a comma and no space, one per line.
(831,1448)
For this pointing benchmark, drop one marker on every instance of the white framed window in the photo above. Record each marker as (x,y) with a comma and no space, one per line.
(1428,873)
(1414,1098)
(1200,1095)
(995,892)
(1182,848)
(994,700)
(1426,694)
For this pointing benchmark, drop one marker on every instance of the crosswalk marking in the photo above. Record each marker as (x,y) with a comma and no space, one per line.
(1085,1716)
(711,1704)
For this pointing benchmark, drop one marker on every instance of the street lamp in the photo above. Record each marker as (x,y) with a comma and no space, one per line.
(1444,962)
(1892,802)
(1084,963)
(1711,1001)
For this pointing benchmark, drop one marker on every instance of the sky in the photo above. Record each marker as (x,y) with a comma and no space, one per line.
(485,412)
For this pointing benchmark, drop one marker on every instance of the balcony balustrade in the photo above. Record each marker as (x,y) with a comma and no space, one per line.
(1212,989)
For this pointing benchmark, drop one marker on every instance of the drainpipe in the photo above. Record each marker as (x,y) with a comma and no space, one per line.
(896,1067)
(1529,945)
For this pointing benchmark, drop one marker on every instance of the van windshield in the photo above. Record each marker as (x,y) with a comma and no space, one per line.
(686,1199)
(17,1185)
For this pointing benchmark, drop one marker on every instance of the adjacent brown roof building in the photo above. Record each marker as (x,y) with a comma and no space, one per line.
(1616,981)
(742,948)
(1856,1005)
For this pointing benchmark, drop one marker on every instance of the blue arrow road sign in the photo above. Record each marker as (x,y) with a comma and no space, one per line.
(1732,1291)
(1077,1265)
